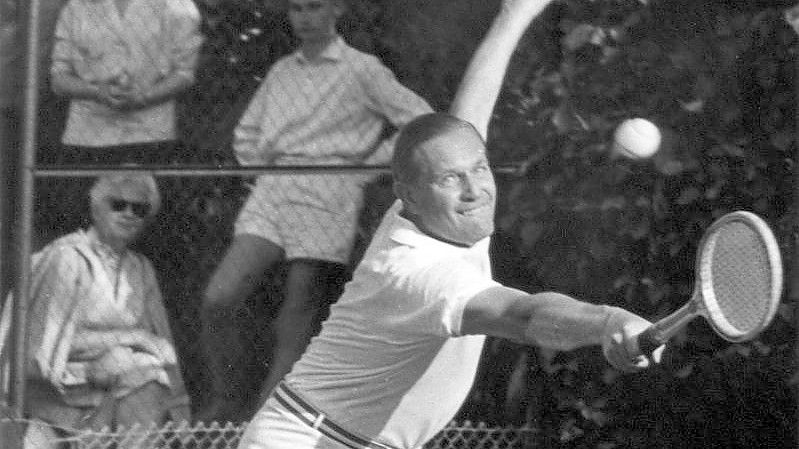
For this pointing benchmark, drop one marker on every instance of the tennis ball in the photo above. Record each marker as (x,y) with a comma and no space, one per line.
(636,138)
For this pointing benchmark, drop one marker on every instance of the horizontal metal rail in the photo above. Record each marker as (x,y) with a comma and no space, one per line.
(63,171)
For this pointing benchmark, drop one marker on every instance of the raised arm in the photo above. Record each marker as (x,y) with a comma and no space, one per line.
(478,91)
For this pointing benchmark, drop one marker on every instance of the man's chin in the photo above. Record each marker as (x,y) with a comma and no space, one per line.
(476,236)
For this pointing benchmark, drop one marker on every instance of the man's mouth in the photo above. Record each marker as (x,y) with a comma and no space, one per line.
(474,210)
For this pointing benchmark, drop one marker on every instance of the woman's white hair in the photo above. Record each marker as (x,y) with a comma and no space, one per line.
(107,185)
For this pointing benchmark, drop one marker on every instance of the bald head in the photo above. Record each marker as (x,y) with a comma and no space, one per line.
(443,178)
(411,138)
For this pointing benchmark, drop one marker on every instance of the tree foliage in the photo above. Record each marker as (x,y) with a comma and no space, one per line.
(716,76)
(718,79)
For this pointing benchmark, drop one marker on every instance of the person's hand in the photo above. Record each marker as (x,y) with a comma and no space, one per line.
(122,94)
(111,96)
(620,341)
(105,371)
(143,341)
(132,99)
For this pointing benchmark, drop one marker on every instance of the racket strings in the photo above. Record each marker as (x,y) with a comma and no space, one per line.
(740,277)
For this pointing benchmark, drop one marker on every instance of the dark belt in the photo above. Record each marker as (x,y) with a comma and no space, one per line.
(317,420)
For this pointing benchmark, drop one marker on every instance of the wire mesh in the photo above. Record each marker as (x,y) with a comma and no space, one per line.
(466,435)
(741,276)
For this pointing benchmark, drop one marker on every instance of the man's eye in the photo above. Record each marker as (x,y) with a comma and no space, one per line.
(482,168)
(448,180)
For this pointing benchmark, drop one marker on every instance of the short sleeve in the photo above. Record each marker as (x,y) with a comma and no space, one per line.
(64,51)
(184,27)
(435,297)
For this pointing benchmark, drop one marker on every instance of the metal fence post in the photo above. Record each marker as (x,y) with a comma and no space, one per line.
(29,122)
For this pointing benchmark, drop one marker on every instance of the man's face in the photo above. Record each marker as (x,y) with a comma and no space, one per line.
(314,20)
(454,195)
(120,216)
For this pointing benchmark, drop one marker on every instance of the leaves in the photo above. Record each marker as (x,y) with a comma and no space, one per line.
(718,79)
(720,86)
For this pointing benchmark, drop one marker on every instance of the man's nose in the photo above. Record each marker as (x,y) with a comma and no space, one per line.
(469,187)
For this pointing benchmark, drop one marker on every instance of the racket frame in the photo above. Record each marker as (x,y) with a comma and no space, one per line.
(710,309)
(703,301)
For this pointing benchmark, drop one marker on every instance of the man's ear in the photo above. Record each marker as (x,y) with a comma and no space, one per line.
(405,194)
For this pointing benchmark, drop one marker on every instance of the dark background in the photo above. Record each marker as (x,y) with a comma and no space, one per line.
(718,79)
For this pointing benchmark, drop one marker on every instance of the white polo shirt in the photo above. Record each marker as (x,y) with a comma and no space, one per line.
(390,363)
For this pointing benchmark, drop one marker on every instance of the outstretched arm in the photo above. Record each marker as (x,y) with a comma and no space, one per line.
(478,91)
(557,321)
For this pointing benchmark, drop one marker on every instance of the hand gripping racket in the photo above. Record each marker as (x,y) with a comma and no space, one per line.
(738,282)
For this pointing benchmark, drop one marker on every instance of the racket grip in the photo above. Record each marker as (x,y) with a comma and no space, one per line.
(648,341)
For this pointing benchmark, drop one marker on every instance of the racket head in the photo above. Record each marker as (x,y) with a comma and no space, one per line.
(739,274)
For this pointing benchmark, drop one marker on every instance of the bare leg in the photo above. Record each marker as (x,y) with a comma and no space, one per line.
(247,262)
(311,286)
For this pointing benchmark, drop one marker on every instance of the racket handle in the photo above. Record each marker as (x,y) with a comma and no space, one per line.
(648,341)
(659,333)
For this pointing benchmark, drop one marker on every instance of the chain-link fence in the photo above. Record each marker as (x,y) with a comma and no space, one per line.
(239,97)
(226,436)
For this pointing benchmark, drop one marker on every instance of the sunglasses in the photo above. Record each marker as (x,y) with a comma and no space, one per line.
(141,210)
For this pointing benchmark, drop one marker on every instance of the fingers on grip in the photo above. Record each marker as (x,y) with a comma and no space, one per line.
(647,342)
(630,349)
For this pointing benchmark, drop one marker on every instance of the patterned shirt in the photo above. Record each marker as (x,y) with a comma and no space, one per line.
(150,41)
(78,286)
(329,111)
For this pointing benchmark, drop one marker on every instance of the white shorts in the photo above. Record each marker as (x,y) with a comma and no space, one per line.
(288,421)
(309,216)
(274,427)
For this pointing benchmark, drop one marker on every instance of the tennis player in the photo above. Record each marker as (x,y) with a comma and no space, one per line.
(398,355)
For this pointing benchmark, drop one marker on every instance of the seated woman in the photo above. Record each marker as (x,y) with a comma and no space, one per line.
(100,351)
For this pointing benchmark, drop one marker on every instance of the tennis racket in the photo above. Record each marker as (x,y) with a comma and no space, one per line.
(738,282)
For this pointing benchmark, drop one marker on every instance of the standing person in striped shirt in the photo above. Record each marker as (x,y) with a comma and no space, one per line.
(122,64)
(325,104)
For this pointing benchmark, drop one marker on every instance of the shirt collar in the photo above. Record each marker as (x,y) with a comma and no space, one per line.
(405,232)
(333,52)
(102,248)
